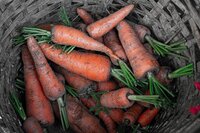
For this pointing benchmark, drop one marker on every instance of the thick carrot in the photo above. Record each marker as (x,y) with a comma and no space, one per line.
(116,115)
(111,40)
(37,105)
(109,123)
(71,36)
(102,26)
(132,114)
(79,83)
(52,88)
(140,60)
(147,116)
(92,66)
(162,75)
(117,98)
(85,16)
(31,125)
(106,85)
(80,120)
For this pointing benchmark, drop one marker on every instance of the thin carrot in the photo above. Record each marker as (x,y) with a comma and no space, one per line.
(116,115)
(132,114)
(70,36)
(147,116)
(140,60)
(52,88)
(80,120)
(92,66)
(80,84)
(85,16)
(102,26)
(31,125)
(109,123)
(106,85)
(124,98)
(111,40)
(37,105)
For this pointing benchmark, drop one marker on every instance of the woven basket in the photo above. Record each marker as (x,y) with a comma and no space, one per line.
(169,20)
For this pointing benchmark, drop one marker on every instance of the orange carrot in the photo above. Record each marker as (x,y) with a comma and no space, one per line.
(111,40)
(162,75)
(85,16)
(52,88)
(140,60)
(102,26)
(37,105)
(92,66)
(109,123)
(117,98)
(106,85)
(80,120)
(79,83)
(132,114)
(31,125)
(70,36)
(116,115)
(147,116)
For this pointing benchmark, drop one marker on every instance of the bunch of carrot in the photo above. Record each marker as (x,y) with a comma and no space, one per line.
(92,64)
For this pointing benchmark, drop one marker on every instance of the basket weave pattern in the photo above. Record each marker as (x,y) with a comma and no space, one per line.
(169,20)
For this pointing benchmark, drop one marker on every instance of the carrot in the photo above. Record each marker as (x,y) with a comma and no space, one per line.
(106,85)
(140,60)
(132,114)
(117,98)
(31,125)
(147,116)
(52,88)
(92,66)
(111,40)
(80,84)
(124,98)
(80,120)
(85,16)
(37,105)
(70,36)
(162,75)
(102,26)
(116,115)
(141,31)
(109,123)
(148,48)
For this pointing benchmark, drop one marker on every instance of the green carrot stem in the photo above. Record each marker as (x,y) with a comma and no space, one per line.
(183,71)
(71,91)
(63,114)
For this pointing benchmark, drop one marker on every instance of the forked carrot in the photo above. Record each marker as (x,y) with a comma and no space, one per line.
(92,66)
(31,125)
(111,40)
(104,25)
(37,105)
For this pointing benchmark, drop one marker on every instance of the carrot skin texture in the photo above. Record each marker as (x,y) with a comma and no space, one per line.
(52,88)
(104,25)
(106,86)
(31,125)
(116,115)
(37,105)
(92,66)
(162,75)
(117,98)
(132,114)
(147,116)
(140,60)
(71,36)
(109,123)
(85,16)
(80,84)
(80,119)
(111,40)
